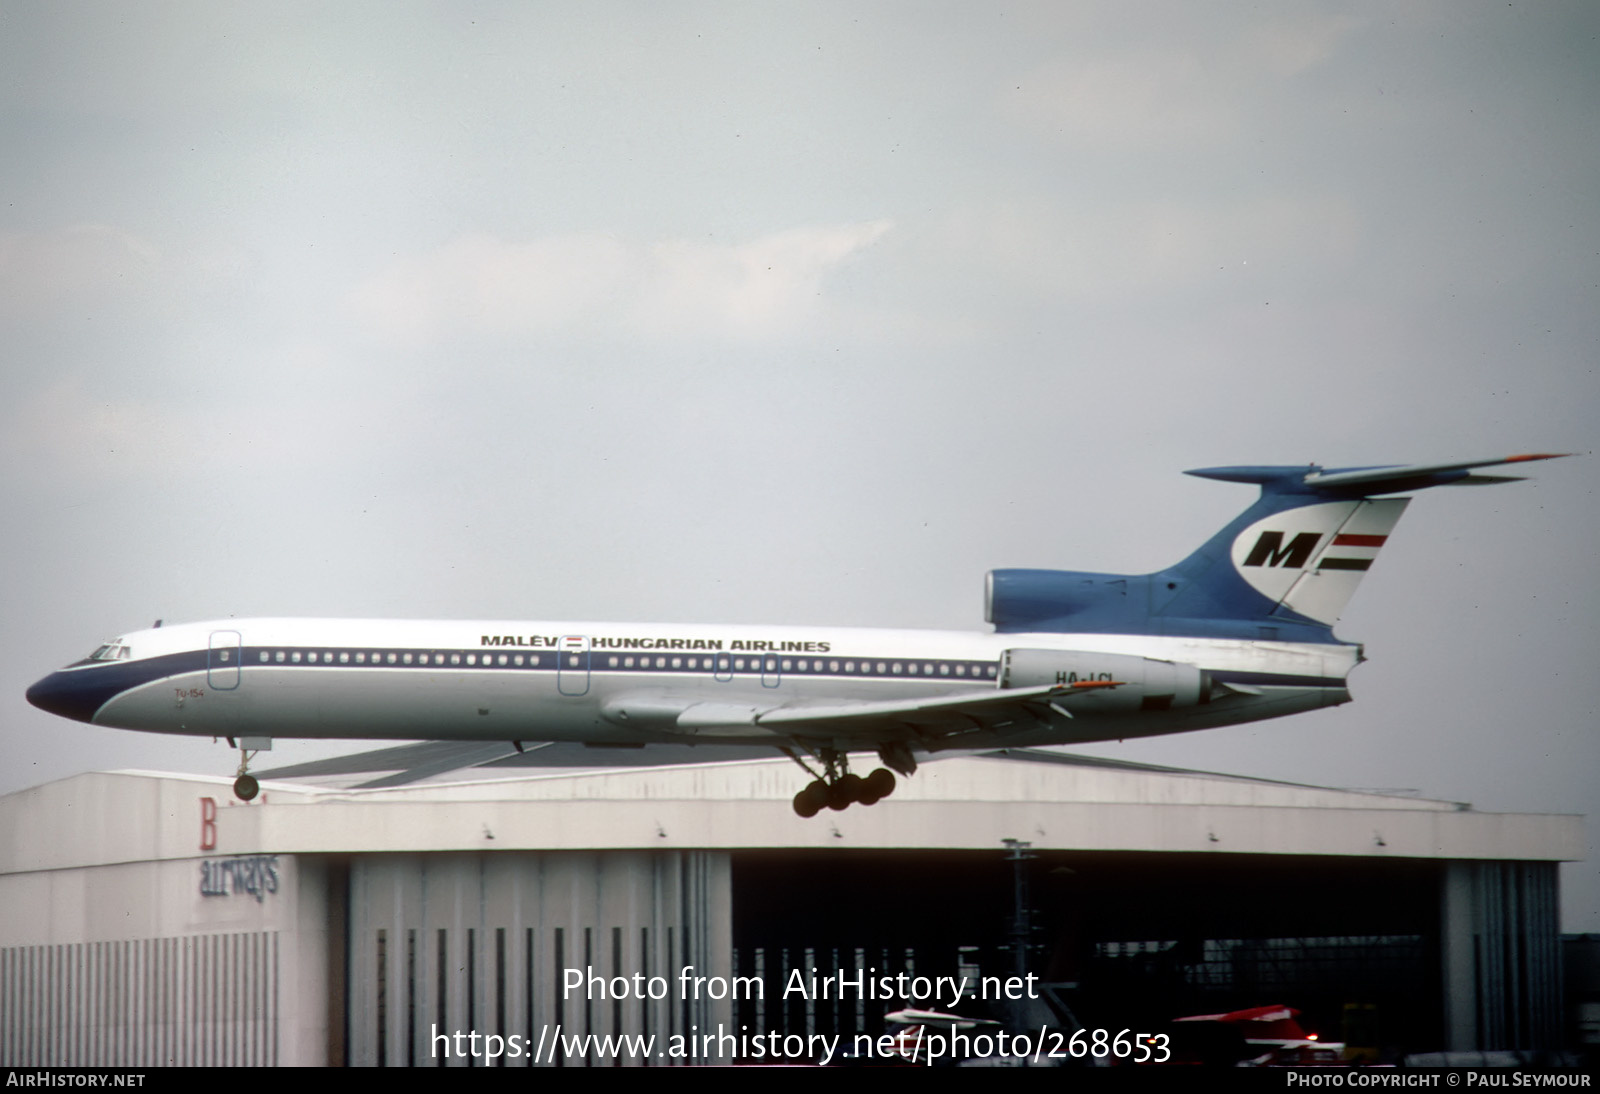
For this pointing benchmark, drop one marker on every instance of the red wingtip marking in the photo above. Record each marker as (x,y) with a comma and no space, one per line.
(1538,456)
(1098,683)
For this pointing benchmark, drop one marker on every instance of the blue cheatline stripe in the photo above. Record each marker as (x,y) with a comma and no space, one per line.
(80,690)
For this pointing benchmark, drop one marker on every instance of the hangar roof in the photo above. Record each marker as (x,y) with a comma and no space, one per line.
(1052,800)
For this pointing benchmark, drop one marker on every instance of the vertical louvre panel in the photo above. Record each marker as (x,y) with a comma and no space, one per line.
(210,999)
(478,942)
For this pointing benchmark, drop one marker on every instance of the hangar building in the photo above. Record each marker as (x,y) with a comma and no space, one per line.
(150,919)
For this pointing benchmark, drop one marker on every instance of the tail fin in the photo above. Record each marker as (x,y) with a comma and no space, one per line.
(1283,569)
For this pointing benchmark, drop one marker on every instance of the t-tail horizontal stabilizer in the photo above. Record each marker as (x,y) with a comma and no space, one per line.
(1283,570)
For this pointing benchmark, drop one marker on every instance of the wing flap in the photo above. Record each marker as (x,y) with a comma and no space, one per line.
(889,719)
(940,715)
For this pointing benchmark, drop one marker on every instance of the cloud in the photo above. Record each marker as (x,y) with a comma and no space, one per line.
(1288,46)
(83,264)
(675,288)
(1203,89)
(1045,251)
(1155,94)
(66,432)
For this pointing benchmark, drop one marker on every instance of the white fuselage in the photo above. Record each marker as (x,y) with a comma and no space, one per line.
(572,681)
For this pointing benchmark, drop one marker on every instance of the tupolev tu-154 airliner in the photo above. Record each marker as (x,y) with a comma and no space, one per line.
(1240,630)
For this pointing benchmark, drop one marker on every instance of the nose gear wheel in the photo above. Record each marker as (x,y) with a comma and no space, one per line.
(245,787)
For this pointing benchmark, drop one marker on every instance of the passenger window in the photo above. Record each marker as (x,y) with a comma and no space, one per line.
(263,655)
(502,659)
(455,659)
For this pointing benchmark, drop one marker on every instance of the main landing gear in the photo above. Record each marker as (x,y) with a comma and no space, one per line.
(838,788)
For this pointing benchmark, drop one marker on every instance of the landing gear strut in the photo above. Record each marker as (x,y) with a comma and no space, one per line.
(836,787)
(245,787)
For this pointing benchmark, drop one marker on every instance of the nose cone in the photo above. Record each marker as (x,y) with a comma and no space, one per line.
(68,695)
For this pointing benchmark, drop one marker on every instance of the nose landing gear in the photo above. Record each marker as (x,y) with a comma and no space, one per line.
(245,787)
(838,788)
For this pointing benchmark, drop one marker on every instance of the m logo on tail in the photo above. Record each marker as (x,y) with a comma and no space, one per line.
(1308,560)
(1270,551)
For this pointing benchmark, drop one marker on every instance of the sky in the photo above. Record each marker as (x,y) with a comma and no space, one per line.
(806,313)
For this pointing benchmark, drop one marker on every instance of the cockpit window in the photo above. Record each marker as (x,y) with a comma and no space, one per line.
(111,651)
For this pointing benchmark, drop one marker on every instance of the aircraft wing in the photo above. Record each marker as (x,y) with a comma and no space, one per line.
(411,763)
(913,721)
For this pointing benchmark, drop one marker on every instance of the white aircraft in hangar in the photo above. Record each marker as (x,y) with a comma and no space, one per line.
(1239,631)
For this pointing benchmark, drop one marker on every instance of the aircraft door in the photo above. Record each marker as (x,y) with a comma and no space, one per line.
(572,665)
(222,660)
(770,675)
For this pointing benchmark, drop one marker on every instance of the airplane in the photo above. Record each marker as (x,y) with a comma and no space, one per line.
(1240,630)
